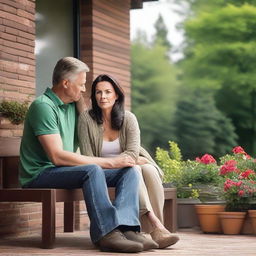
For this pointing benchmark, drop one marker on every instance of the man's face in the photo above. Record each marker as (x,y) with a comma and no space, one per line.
(76,86)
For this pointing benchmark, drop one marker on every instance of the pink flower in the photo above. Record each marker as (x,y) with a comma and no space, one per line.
(206,159)
(247,156)
(199,160)
(238,150)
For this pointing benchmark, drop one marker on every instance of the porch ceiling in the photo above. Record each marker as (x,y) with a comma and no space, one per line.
(138,4)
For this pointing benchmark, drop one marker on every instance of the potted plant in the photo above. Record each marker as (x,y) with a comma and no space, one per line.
(206,175)
(12,116)
(14,111)
(239,187)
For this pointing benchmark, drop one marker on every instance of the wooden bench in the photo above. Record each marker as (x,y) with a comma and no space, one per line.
(11,192)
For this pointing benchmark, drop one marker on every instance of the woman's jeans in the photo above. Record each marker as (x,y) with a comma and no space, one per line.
(104,215)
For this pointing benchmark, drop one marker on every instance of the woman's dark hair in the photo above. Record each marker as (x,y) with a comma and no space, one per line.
(117,113)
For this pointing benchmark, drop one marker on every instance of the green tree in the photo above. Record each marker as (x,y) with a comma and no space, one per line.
(221,56)
(154,93)
(161,36)
(201,128)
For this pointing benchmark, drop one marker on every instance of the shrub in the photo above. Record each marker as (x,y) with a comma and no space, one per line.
(14,111)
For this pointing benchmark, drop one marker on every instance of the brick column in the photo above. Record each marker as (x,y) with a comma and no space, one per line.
(17,43)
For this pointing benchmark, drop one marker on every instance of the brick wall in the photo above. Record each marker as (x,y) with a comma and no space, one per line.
(17,42)
(26,218)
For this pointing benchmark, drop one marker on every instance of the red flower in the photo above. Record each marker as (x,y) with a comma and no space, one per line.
(247,173)
(240,192)
(229,166)
(228,184)
(238,150)
(206,159)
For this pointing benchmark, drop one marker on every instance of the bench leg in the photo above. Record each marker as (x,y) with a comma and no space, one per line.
(69,216)
(170,215)
(48,222)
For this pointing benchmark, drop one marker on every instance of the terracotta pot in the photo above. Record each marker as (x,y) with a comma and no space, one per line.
(247,228)
(252,215)
(208,218)
(231,222)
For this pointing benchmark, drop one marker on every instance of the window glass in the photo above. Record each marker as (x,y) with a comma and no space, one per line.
(54,38)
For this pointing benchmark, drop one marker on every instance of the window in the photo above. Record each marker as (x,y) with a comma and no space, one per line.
(57,25)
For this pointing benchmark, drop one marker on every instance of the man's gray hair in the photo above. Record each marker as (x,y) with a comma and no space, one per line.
(67,68)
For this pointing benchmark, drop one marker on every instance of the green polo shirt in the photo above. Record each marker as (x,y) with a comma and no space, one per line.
(46,115)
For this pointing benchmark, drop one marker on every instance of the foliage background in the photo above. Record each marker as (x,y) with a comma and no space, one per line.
(206,101)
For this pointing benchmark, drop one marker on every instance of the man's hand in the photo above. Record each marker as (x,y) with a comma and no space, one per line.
(142,160)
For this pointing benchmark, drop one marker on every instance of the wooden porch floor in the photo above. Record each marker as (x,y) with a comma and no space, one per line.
(192,243)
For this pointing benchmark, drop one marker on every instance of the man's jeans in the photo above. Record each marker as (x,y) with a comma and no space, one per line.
(104,215)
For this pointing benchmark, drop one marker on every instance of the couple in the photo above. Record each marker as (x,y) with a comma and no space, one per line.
(111,156)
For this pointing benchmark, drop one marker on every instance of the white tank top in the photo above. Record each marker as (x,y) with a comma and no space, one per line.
(111,148)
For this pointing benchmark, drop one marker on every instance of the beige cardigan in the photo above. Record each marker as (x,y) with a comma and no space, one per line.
(90,136)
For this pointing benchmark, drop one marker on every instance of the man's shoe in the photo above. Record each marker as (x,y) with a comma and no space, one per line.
(115,241)
(164,238)
(148,243)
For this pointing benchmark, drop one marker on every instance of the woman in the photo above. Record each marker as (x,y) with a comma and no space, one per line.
(107,130)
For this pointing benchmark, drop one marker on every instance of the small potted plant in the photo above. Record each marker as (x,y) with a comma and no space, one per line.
(239,187)
(207,173)
(14,111)
(12,116)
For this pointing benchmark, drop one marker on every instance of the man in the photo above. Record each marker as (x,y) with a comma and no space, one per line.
(48,160)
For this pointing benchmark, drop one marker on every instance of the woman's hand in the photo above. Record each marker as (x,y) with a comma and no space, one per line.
(81,105)
(142,160)
(123,161)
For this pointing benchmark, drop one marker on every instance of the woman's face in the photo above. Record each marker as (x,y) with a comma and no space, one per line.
(105,95)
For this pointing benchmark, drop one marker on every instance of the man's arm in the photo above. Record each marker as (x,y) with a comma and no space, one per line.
(52,145)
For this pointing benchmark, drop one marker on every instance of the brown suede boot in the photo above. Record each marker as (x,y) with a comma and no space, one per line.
(164,238)
(148,243)
(115,241)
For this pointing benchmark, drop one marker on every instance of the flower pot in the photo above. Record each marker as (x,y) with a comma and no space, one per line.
(247,228)
(208,218)
(231,222)
(252,215)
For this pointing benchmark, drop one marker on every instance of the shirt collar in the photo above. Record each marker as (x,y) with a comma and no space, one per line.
(56,100)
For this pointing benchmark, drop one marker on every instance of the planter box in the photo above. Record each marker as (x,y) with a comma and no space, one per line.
(7,129)
(187,217)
